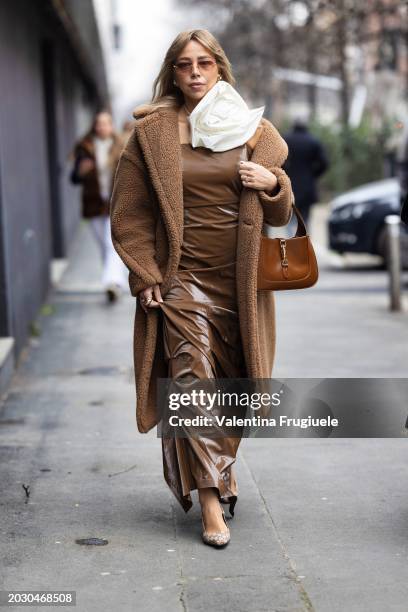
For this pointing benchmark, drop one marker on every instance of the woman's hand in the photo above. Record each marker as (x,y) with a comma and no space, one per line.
(150,297)
(85,166)
(256,176)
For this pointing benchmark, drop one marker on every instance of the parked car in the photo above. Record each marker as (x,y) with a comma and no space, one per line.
(356,223)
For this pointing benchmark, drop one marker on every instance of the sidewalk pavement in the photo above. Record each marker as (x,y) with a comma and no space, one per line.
(321,524)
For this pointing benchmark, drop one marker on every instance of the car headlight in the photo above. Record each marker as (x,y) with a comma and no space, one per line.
(360,209)
(342,214)
(351,211)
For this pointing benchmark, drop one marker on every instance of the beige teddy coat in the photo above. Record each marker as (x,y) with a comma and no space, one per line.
(147,232)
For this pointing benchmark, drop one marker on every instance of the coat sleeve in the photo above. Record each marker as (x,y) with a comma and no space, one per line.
(74,176)
(277,207)
(133,219)
(79,155)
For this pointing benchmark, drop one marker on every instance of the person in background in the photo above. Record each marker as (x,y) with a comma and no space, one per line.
(96,157)
(307,161)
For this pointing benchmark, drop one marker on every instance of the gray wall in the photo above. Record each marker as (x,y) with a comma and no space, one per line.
(42,94)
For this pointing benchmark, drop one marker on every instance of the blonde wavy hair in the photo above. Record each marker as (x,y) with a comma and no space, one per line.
(168,95)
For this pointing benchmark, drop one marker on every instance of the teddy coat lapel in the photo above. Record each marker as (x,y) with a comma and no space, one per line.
(158,137)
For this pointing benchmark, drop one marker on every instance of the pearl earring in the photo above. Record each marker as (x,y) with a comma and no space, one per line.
(219,77)
(174,83)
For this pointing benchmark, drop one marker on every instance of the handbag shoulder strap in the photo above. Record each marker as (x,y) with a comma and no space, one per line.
(301,227)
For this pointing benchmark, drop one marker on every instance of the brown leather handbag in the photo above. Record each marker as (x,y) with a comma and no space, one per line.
(287,263)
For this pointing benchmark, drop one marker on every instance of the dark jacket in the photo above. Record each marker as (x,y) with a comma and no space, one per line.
(403,176)
(404,210)
(93,205)
(306,162)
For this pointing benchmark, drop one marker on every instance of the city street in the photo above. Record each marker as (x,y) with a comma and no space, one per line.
(320,524)
(152,125)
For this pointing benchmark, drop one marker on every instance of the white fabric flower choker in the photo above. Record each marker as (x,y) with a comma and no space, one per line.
(222,119)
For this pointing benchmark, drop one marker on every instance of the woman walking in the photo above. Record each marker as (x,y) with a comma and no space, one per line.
(197,179)
(96,158)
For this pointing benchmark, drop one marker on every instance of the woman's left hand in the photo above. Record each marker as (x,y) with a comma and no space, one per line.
(257,177)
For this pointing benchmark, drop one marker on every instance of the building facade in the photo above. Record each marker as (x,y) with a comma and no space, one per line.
(52,80)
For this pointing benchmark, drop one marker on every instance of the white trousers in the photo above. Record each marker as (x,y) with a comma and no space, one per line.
(114,270)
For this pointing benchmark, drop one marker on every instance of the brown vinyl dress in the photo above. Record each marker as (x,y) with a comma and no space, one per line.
(200,317)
